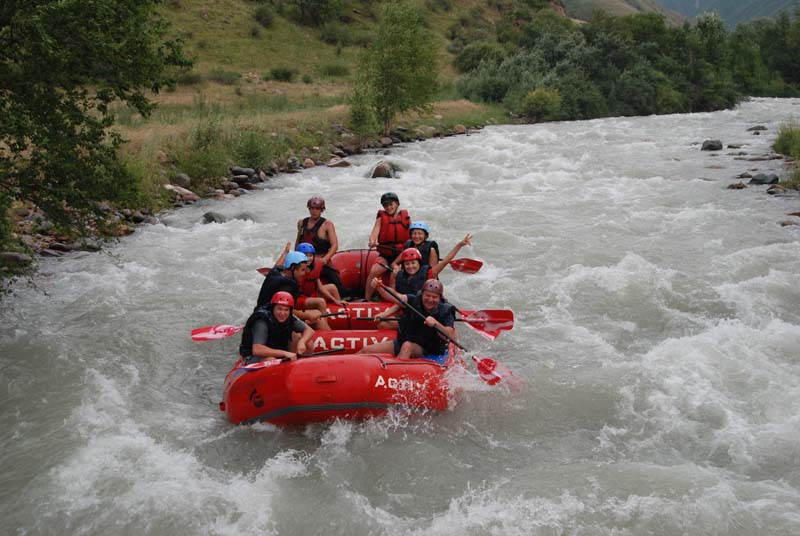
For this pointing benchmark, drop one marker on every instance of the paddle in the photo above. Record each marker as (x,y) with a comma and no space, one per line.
(488,322)
(222,331)
(270,362)
(468,266)
(487,364)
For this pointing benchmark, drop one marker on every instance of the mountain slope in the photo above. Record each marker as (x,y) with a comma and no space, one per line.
(583,9)
(732,11)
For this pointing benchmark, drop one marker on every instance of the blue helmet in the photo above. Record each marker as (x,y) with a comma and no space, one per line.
(305,247)
(294,257)
(420,225)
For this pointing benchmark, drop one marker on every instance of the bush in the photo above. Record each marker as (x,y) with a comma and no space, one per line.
(221,76)
(281,74)
(307,79)
(788,140)
(362,120)
(335,70)
(252,150)
(190,78)
(205,154)
(436,5)
(541,104)
(333,34)
(264,16)
(474,53)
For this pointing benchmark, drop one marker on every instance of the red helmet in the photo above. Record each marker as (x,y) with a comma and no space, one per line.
(411,254)
(433,285)
(282,298)
(316,202)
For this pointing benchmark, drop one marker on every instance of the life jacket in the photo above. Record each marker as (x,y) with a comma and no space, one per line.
(279,334)
(411,284)
(308,287)
(304,234)
(412,327)
(394,232)
(274,282)
(424,249)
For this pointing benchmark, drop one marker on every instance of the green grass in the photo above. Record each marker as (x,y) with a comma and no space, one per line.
(788,143)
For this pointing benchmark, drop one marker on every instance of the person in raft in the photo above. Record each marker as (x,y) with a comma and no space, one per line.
(429,249)
(417,337)
(320,233)
(389,234)
(267,334)
(312,286)
(409,278)
(287,274)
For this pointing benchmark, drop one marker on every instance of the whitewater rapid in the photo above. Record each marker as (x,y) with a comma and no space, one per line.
(657,332)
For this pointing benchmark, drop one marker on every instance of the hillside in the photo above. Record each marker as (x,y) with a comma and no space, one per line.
(583,9)
(732,11)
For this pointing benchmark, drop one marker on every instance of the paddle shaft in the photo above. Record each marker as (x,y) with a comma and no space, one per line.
(414,310)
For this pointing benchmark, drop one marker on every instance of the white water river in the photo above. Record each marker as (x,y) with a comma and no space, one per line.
(657,333)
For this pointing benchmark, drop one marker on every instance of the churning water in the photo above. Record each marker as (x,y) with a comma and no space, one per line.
(657,332)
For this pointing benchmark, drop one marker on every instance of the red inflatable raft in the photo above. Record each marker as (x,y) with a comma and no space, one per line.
(344,386)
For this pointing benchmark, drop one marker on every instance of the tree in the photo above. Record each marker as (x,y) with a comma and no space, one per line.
(63,63)
(400,66)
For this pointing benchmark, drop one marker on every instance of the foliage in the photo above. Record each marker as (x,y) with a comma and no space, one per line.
(541,104)
(474,53)
(362,120)
(313,12)
(263,14)
(788,140)
(281,74)
(252,150)
(399,68)
(335,69)
(223,76)
(62,64)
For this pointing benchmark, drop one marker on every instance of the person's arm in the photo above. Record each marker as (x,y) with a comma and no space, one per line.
(373,236)
(467,240)
(307,333)
(282,258)
(433,258)
(299,233)
(333,240)
(448,327)
(388,313)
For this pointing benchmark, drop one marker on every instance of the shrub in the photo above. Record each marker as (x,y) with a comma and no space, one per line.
(190,78)
(333,34)
(307,79)
(221,76)
(255,32)
(788,140)
(541,104)
(474,53)
(362,120)
(252,150)
(204,154)
(263,14)
(335,70)
(436,5)
(281,74)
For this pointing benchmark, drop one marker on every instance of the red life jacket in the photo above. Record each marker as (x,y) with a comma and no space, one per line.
(304,234)
(394,232)
(308,287)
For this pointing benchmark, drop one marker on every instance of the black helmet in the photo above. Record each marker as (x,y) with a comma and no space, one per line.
(389,196)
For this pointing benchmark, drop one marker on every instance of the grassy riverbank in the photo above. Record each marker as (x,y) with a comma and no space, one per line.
(788,143)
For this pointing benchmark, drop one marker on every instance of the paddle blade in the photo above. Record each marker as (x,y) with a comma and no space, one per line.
(211,333)
(468,266)
(490,322)
(493,372)
(263,271)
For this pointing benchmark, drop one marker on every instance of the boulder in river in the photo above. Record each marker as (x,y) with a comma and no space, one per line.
(763,178)
(711,145)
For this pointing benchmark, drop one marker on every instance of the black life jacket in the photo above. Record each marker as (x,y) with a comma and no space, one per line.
(406,284)
(279,337)
(412,327)
(274,282)
(304,234)
(424,249)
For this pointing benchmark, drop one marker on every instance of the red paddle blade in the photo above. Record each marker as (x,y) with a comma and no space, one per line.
(210,333)
(469,266)
(493,372)
(490,322)
(263,271)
